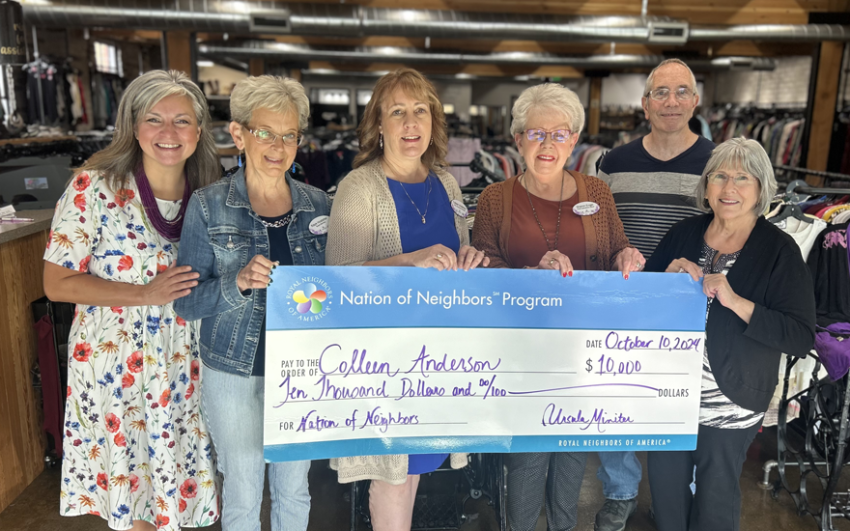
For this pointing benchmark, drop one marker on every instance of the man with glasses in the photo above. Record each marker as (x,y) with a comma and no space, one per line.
(654,181)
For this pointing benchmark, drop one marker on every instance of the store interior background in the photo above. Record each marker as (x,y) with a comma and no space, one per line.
(767,58)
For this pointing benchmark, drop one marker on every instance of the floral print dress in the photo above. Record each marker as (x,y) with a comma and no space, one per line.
(135,445)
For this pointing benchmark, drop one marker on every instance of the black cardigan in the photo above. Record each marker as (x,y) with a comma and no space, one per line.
(771,273)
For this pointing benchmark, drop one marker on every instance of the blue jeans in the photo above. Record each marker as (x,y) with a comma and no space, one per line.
(620,474)
(233,408)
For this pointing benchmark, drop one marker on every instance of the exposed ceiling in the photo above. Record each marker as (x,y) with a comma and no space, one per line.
(482,37)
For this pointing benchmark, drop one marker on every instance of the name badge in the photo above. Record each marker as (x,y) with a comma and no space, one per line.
(586,208)
(319,225)
(459,208)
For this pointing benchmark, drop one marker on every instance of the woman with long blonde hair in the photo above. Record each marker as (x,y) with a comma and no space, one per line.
(136,450)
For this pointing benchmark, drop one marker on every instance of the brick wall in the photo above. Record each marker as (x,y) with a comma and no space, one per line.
(787,85)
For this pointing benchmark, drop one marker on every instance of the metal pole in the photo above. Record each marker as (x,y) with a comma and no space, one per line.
(38,74)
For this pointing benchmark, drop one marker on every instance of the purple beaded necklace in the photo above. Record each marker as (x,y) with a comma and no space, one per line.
(168,229)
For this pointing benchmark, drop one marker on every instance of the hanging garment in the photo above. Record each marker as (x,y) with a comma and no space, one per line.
(76,99)
(805,234)
(85,117)
(828,264)
(506,167)
(833,346)
(51,394)
(462,151)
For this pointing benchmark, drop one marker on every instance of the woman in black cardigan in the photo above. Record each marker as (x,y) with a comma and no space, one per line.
(760,304)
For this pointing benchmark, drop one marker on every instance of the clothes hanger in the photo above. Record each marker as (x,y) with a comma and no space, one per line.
(791,210)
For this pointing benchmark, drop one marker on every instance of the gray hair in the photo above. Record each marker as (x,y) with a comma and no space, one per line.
(277,94)
(549,96)
(651,79)
(123,155)
(742,154)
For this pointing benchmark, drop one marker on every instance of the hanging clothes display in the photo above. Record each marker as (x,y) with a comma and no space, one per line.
(811,234)
(53,92)
(780,131)
(324,162)
(461,151)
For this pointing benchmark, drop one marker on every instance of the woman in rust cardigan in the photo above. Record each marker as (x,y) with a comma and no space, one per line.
(550,218)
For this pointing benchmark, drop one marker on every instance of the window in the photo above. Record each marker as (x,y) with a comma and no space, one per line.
(107,58)
(363,97)
(330,96)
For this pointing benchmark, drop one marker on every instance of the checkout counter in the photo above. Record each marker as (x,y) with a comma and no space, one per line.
(22,440)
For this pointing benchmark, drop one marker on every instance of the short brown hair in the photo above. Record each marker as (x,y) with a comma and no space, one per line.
(416,85)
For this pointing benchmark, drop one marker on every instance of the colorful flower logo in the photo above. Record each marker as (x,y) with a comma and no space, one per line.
(309,298)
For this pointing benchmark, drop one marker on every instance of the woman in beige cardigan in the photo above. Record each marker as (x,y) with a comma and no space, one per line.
(396,209)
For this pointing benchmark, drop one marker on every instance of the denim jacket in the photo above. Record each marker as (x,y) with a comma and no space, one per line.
(221,233)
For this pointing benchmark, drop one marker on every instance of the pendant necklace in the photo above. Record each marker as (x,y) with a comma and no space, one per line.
(537,219)
(427,201)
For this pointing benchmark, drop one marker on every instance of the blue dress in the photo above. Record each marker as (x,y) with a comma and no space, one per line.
(432,201)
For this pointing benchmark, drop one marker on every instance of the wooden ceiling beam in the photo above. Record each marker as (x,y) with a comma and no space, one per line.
(141,36)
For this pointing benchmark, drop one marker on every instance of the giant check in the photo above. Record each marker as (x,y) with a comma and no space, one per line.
(380,360)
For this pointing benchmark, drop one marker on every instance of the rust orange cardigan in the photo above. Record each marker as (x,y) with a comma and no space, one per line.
(603,232)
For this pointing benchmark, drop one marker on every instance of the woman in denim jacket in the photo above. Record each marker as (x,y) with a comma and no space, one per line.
(236,231)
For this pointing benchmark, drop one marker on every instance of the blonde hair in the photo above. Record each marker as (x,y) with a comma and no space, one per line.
(416,85)
(124,155)
(549,96)
(277,94)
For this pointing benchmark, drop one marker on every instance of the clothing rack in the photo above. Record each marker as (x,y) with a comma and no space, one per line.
(477,166)
(820,191)
(824,450)
(80,149)
(816,173)
(816,443)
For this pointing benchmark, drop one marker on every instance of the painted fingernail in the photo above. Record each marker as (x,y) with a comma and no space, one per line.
(570,273)
(564,275)
(271,280)
(627,277)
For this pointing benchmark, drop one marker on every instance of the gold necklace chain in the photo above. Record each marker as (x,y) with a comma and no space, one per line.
(427,200)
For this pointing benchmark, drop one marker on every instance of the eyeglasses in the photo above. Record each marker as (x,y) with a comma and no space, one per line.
(539,135)
(265,136)
(740,180)
(661,94)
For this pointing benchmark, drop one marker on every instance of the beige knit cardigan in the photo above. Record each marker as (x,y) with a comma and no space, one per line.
(364,224)
(364,228)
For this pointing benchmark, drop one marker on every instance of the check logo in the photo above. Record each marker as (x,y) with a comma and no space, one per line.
(309,299)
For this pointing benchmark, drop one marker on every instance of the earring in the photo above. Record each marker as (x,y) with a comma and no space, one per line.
(432,141)
(381,141)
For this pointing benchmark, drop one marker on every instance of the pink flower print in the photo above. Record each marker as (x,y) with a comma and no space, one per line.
(834,239)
